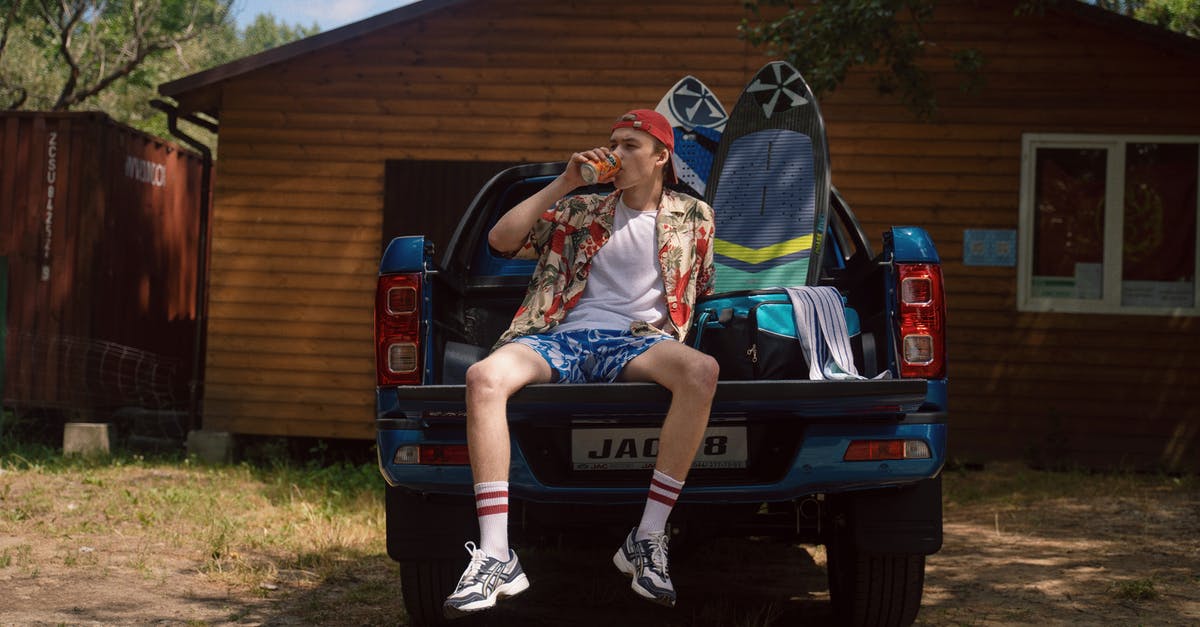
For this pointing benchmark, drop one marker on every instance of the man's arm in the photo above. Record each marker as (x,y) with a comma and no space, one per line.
(513,227)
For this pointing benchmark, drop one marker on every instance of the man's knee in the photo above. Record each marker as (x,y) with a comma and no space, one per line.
(486,379)
(502,373)
(701,373)
(710,372)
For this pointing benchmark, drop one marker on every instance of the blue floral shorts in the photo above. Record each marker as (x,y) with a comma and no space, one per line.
(594,356)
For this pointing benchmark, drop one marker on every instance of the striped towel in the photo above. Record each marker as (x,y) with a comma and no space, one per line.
(821,325)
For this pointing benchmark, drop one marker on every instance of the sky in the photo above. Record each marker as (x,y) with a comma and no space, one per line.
(328,14)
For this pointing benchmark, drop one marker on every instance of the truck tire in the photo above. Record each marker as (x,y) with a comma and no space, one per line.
(425,535)
(425,585)
(428,527)
(873,589)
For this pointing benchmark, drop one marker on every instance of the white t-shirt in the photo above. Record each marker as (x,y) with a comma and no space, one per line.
(625,281)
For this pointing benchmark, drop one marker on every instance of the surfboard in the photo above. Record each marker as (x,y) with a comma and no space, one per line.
(770,185)
(698,119)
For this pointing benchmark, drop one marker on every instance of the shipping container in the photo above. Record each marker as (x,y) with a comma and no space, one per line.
(99,229)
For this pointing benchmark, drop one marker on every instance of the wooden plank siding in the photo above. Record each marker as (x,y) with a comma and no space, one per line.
(1098,390)
(300,185)
(301,173)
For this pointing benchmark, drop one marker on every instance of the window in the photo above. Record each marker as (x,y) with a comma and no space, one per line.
(1109,224)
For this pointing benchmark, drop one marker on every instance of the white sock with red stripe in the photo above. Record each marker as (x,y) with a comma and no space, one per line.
(491,505)
(663,492)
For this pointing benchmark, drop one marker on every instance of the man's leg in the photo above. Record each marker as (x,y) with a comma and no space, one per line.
(489,384)
(691,376)
(493,571)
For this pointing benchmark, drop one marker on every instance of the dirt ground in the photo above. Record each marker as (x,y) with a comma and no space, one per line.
(1097,559)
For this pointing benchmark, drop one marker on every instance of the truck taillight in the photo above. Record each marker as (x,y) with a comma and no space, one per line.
(398,329)
(922,309)
(882,450)
(433,455)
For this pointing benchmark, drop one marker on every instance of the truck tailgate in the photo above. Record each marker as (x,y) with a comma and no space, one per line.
(800,397)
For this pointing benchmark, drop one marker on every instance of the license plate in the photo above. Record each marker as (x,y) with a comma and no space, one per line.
(635,449)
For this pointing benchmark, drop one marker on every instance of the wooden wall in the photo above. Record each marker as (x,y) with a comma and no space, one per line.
(301,172)
(1097,390)
(300,178)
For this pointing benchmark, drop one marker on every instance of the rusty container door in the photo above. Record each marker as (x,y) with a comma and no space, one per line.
(34,198)
(99,223)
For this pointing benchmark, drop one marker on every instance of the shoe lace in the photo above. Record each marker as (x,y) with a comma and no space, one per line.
(474,572)
(657,543)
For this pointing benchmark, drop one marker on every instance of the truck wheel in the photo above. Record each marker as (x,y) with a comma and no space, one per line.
(425,585)
(873,589)
(425,534)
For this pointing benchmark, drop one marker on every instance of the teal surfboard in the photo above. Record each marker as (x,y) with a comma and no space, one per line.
(770,185)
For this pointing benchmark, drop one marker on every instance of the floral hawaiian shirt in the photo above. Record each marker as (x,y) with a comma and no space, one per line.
(569,235)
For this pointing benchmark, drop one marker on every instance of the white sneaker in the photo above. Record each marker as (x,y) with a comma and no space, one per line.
(646,562)
(485,580)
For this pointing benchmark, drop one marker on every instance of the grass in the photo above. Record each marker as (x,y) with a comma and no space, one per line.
(304,533)
(247,527)
(16,556)
(1135,590)
(1014,484)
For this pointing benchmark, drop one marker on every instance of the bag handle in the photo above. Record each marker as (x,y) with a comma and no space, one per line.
(701,322)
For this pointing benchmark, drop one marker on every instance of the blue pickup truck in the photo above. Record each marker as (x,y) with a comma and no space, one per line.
(851,464)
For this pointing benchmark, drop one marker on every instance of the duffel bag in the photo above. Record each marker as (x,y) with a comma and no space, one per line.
(753,334)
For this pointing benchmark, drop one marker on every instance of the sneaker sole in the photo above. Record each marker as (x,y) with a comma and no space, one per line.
(627,569)
(649,596)
(510,589)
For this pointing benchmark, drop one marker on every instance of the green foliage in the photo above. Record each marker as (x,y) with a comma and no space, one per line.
(970,64)
(1135,590)
(1181,16)
(331,485)
(265,33)
(1013,484)
(338,483)
(111,55)
(93,43)
(826,40)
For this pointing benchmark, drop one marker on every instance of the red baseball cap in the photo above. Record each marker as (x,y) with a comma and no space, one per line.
(657,126)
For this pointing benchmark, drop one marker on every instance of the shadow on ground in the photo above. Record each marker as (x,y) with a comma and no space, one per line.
(722,583)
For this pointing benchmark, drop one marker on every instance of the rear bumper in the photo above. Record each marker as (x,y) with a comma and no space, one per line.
(816,468)
(824,416)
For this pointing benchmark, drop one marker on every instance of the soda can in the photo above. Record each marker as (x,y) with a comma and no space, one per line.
(601,171)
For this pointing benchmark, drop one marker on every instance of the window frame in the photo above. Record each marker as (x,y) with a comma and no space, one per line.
(1114,225)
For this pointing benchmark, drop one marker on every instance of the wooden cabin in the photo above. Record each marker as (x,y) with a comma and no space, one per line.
(1066,345)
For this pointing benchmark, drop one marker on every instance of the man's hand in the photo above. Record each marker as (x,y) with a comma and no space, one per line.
(572,175)
(513,227)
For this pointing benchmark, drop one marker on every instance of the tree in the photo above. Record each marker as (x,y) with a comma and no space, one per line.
(98,42)
(824,40)
(119,52)
(217,47)
(265,33)
(1181,16)
(13,93)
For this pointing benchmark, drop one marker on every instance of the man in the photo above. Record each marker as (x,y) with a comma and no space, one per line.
(611,299)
